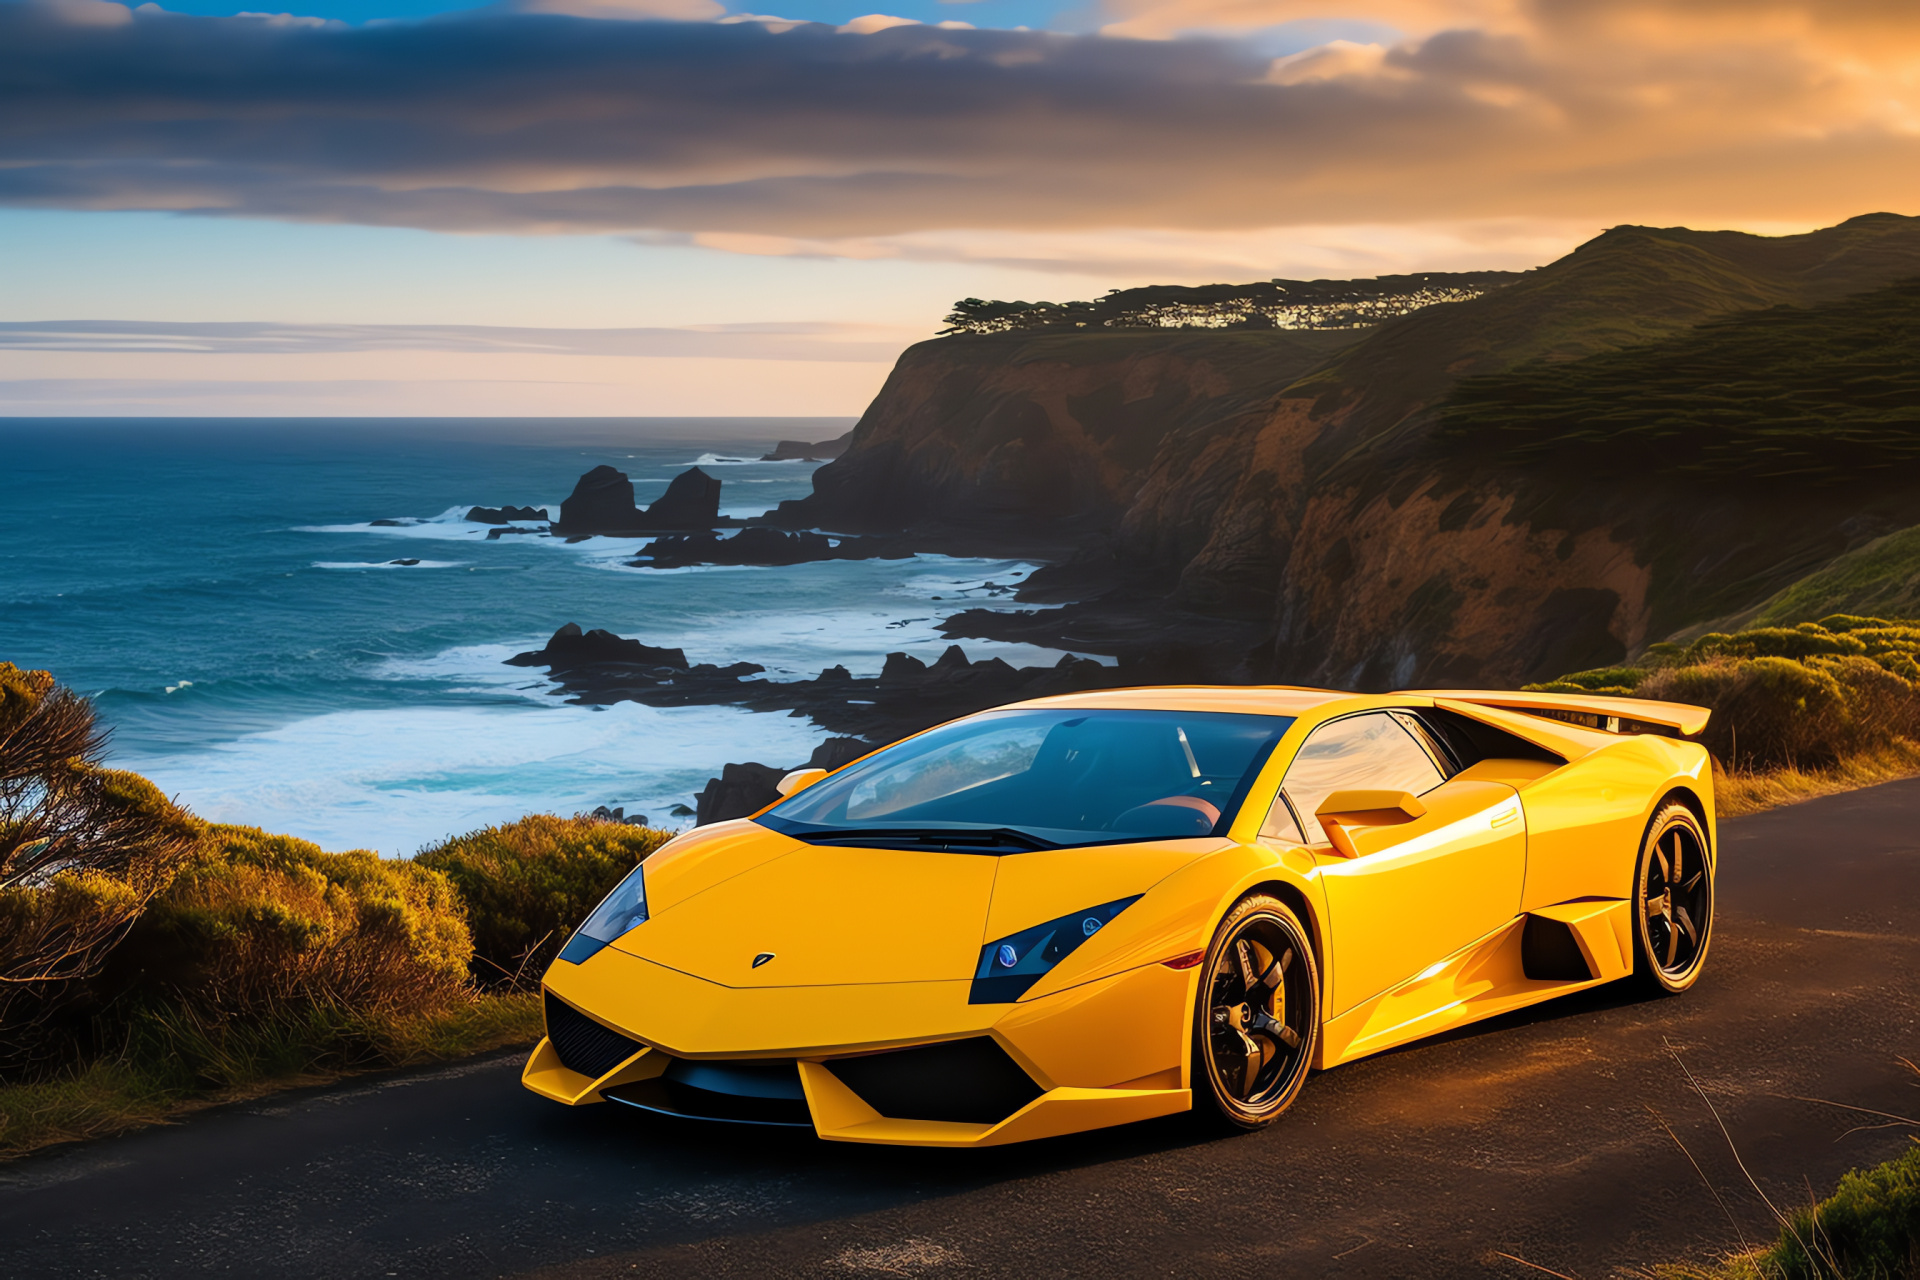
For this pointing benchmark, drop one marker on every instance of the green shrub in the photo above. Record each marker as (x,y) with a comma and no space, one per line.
(1804,696)
(259,924)
(528,883)
(1869,1228)
(1614,681)
(82,850)
(1803,641)
(1768,711)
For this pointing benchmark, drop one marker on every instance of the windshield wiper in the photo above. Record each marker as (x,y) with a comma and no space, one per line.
(979,840)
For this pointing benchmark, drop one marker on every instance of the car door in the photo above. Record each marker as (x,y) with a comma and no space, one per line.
(1418,891)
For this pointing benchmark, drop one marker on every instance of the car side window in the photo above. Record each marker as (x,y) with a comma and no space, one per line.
(1371,752)
(1280,826)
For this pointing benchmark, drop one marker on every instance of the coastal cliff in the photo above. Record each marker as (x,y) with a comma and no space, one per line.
(1340,507)
(1041,433)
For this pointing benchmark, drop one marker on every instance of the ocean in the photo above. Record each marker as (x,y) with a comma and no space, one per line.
(220,589)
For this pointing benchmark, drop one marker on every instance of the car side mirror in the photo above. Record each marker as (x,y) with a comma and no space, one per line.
(1345,809)
(801,778)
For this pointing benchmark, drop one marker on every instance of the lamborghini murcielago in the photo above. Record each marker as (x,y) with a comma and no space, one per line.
(1098,908)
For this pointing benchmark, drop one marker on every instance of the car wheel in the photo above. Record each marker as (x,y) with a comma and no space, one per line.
(1257,1015)
(1672,901)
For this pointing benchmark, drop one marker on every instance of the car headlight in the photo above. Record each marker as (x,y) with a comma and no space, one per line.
(1011,965)
(622,909)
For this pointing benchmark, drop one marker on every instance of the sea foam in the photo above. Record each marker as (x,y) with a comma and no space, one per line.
(395,780)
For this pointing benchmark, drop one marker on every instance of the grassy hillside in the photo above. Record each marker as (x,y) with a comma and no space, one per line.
(1880,578)
(1627,287)
(1818,395)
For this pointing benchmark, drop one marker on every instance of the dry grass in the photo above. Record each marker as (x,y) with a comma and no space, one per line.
(171,1067)
(1751,791)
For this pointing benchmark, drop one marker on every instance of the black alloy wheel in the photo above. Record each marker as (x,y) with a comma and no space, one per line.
(1672,900)
(1257,1017)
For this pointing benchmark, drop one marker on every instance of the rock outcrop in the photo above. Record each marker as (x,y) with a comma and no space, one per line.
(801,451)
(505,515)
(740,789)
(602,503)
(692,501)
(743,789)
(571,649)
(598,667)
(763,545)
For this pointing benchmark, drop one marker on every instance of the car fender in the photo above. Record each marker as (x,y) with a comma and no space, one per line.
(1177,916)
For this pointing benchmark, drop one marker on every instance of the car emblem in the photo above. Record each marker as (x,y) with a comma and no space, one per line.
(1089,926)
(1007,956)
(762,958)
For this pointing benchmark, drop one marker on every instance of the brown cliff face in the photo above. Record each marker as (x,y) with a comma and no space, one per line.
(1291,513)
(1040,431)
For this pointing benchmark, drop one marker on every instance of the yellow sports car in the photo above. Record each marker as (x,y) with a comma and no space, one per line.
(1092,909)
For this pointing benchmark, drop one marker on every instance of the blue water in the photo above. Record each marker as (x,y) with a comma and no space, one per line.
(218,588)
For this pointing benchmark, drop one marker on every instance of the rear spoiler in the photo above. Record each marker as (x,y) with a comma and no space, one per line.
(1612,714)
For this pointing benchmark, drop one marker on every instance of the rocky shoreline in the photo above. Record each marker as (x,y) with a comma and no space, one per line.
(598,667)
(684,527)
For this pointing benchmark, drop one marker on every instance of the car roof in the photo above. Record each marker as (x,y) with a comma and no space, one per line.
(1275,700)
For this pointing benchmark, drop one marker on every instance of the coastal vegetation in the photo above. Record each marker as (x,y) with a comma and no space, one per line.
(1868,1229)
(1265,304)
(151,962)
(1818,395)
(526,884)
(1799,710)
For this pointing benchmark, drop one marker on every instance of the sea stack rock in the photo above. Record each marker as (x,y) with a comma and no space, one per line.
(740,789)
(571,648)
(804,451)
(501,515)
(743,789)
(601,502)
(692,501)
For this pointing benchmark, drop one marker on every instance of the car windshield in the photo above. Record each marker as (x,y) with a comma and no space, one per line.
(1040,779)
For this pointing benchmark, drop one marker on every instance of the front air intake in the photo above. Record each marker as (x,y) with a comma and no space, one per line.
(737,1092)
(969,1081)
(584,1045)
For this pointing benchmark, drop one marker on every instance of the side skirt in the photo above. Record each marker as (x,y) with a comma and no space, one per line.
(1553,951)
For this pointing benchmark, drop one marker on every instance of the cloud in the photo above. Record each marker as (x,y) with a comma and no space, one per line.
(1593,111)
(833,343)
(1171,256)
(872,22)
(624,10)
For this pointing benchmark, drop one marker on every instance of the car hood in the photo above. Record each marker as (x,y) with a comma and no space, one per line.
(830,915)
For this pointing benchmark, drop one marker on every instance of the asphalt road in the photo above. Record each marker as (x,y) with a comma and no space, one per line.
(1539,1136)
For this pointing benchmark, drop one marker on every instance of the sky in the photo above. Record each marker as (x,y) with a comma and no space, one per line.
(677,207)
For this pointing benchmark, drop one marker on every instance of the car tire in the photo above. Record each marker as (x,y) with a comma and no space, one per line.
(1672,901)
(1256,1018)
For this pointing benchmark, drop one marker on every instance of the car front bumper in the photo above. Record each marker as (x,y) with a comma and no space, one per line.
(1106,1052)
